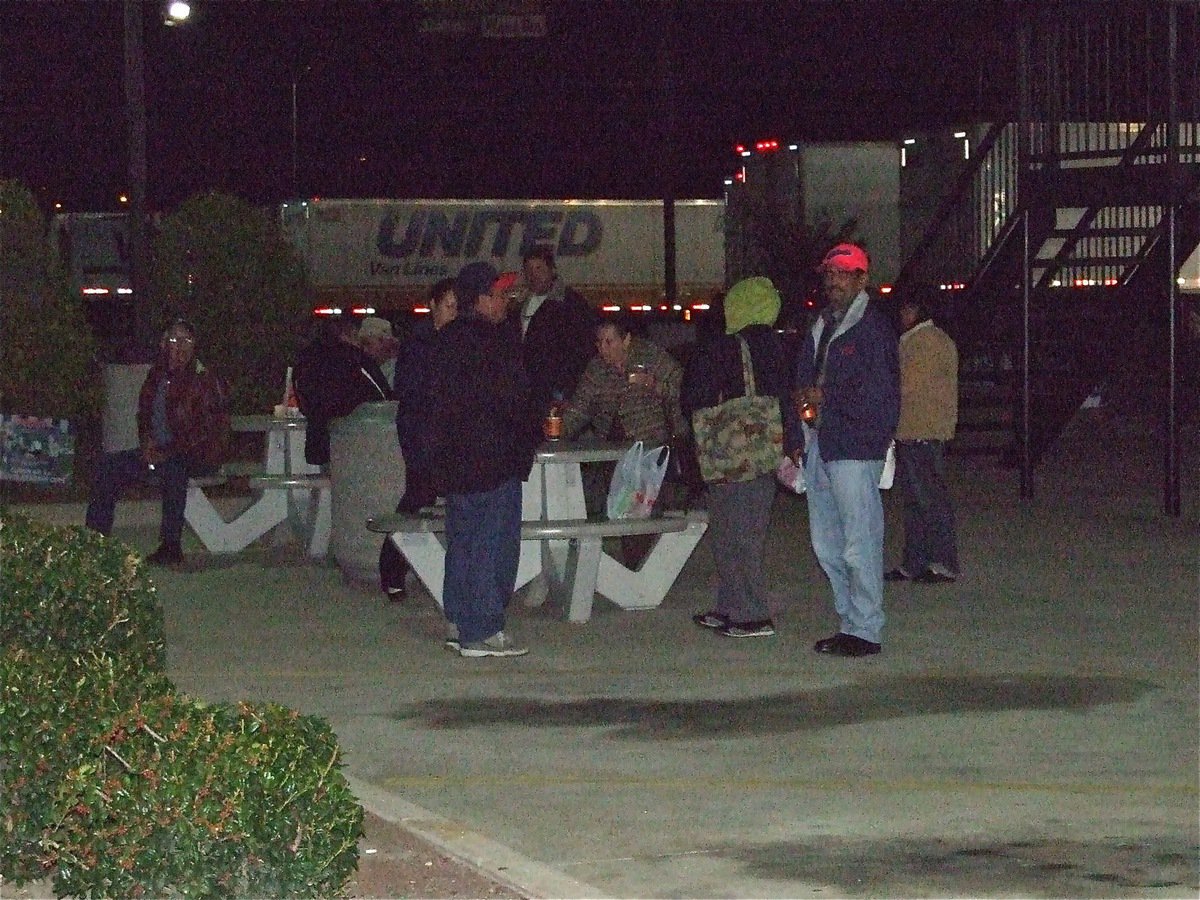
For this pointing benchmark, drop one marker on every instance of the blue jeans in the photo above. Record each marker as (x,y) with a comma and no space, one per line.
(483,546)
(929,537)
(845,516)
(117,471)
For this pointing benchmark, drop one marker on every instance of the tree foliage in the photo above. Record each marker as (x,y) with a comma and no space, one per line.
(224,265)
(765,235)
(46,348)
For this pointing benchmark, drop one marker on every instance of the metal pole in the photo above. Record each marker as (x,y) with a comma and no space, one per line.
(1026,405)
(667,157)
(137,327)
(1171,489)
(295,143)
(1025,36)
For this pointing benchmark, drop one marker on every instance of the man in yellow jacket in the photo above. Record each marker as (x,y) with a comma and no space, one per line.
(928,417)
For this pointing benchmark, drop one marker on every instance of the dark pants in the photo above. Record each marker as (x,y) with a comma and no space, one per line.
(418,493)
(738,517)
(117,471)
(483,547)
(929,535)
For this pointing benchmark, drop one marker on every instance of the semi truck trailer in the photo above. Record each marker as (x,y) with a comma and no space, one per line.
(386,254)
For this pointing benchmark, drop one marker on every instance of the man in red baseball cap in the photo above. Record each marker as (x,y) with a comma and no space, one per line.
(845,407)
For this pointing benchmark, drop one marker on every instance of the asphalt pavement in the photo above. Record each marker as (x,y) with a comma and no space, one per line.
(1032,730)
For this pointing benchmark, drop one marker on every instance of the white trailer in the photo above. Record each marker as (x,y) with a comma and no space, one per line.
(386,254)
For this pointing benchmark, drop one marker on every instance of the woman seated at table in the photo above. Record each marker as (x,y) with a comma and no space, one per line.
(628,392)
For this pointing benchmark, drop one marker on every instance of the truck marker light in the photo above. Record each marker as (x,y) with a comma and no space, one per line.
(94,290)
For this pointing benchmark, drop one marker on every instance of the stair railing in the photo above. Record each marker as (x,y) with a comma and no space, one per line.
(971,214)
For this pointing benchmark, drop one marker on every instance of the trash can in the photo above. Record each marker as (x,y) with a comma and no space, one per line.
(366,479)
(122,385)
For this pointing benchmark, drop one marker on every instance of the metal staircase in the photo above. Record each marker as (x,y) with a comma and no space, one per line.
(1053,247)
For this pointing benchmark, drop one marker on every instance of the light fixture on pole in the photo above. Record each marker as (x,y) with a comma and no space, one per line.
(177,12)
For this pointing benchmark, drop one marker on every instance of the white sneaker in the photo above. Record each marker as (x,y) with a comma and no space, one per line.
(499,644)
(452,636)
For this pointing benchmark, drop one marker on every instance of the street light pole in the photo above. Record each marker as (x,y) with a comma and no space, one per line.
(295,140)
(135,110)
(296,132)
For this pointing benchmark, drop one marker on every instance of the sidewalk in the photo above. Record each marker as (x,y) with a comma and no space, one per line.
(1029,731)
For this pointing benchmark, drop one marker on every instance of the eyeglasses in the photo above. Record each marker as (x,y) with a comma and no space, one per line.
(180,340)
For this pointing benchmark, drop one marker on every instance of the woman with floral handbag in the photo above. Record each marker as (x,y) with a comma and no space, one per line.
(732,393)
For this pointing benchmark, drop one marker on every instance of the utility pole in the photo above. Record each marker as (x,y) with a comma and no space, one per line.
(137,329)
(669,151)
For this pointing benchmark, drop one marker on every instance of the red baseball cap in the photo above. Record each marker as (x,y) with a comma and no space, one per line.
(846,258)
(505,282)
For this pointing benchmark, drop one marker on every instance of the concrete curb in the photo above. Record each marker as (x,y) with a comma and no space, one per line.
(496,861)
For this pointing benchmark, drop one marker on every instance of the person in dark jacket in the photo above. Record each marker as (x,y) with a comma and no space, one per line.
(333,375)
(557,331)
(484,431)
(739,512)
(841,419)
(413,365)
(183,431)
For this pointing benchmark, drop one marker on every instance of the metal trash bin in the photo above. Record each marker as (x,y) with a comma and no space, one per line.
(122,386)
(366,479)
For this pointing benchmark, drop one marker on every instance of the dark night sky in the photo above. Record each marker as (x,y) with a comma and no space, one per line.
(386,111)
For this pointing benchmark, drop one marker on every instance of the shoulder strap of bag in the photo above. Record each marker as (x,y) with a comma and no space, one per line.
(747,367)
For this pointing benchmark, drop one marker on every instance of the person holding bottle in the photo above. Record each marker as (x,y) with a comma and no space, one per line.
(629,392)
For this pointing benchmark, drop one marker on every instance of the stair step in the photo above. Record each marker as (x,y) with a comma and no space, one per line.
(1064,233)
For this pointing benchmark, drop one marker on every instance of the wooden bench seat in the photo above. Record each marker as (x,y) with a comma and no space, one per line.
(416,536)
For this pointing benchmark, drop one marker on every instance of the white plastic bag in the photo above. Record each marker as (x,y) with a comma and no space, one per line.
(791,476)
(889,468)
(636,481)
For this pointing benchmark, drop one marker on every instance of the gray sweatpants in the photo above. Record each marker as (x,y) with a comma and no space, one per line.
(738,515)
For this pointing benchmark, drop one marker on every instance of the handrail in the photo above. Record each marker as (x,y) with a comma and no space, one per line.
(1129,157)
(951,202)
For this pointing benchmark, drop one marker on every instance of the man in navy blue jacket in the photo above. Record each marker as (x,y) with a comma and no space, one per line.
(484,430)
(844,412)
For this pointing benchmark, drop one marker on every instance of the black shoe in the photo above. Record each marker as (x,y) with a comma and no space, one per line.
(897,574)
(830,644)
(166,555)
(757,628)
(932,577)
(711,620)
(847,645)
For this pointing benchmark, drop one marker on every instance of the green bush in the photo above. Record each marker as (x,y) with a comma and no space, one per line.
(116,785)
(225,266)
(52,705)
(76,591)
(224,801)
(47,353)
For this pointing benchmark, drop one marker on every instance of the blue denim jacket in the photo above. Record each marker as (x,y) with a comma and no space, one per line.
(861,386)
